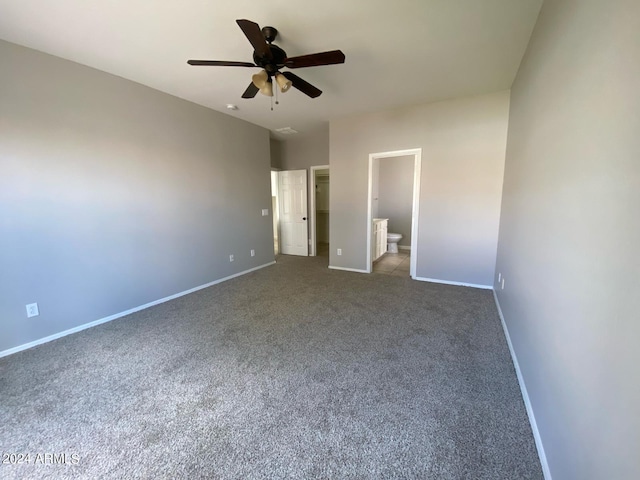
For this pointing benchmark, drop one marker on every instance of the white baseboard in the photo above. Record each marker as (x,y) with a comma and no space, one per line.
(348,269)
(79,328)
(525,396)
(459,284)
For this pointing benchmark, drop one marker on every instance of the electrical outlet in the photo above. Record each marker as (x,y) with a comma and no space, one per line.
(231,258)
(265,212)
(32,310)
(339,251)
(502,283)
(253,253)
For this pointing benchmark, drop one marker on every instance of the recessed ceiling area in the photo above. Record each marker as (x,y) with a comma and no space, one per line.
(397,53)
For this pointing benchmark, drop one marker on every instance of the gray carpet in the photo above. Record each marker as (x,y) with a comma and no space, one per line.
(293,371)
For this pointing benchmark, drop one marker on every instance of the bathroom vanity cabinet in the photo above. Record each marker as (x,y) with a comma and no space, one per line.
(379,237)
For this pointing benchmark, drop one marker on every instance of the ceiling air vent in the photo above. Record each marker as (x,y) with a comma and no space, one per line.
(286,131)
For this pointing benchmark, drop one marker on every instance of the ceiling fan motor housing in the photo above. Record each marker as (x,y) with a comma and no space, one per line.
(271,65)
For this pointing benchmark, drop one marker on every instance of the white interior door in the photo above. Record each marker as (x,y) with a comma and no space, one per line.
(292,186)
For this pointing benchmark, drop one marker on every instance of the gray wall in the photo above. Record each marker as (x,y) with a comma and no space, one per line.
(276,153)
(395,194)
(570,232)
(463,147)
(305,149)
(113,195)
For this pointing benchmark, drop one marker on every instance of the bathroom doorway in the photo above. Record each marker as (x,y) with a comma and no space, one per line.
(400,178)
(319,180)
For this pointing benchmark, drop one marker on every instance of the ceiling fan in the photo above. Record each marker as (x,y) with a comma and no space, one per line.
(271,59)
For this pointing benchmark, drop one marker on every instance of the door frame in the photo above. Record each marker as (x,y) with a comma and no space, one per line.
(312,207)
(417,154)
(276,209)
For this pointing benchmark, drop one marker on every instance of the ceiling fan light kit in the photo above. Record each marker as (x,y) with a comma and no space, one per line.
(267,89)
(260,79)
(283,82)
(271,59)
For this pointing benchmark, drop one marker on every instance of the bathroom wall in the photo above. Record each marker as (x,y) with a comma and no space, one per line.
(395,194)
(375,189)
(114,195)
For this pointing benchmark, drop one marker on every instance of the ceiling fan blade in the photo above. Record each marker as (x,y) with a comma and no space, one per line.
(315,59)
(302,85)
(251,91)
(256,38)
(220,63)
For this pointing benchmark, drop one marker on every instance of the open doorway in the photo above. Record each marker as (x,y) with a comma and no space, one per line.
(319,180)
(394,216)
(275,209)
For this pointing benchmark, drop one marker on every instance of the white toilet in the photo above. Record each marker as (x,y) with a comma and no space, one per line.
(392,242)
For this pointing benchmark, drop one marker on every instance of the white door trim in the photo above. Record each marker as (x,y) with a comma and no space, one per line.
(276,209)
(417,154)
(312,207)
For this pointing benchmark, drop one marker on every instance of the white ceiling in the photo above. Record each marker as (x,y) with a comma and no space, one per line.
(398,52)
